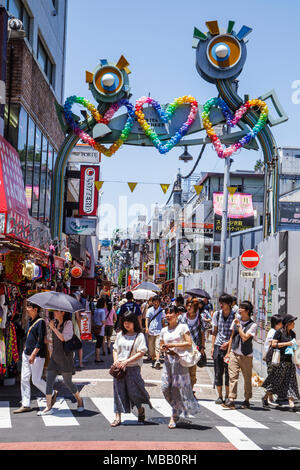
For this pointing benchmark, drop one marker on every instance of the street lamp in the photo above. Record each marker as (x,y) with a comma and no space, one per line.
(185,156)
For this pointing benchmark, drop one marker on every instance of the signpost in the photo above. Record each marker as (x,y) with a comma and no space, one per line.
(250,259)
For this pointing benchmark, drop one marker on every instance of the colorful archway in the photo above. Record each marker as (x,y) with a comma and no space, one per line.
(220,58)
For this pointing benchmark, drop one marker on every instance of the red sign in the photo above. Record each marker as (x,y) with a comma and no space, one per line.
(86,325)
(88,197)
(14,216)
(250,259)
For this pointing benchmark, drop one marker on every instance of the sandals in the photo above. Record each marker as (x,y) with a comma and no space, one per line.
(116,423)
(174,424)
(141,417)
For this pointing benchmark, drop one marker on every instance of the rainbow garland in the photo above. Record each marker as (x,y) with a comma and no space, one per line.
(165,116)
(232,120)
(100,119)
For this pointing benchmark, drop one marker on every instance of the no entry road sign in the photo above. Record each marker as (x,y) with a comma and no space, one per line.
(250,259)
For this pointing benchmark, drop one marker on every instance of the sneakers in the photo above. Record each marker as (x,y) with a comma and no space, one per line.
(245,405)
(80,409)
(229,404)
(157,365)
(219,401)
(23,409)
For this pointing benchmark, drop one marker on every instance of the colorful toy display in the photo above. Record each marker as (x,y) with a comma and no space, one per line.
(232,120)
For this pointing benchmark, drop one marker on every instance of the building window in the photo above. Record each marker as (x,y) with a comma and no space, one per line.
(45,62)
(17,9)
(22,139)
(43,180)
(29,165)
(36,194)
(49,185)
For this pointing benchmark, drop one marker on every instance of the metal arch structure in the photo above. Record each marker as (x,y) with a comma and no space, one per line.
(217,62)
(220,58)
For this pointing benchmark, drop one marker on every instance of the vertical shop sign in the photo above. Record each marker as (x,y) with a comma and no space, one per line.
(88,197)
(283,273)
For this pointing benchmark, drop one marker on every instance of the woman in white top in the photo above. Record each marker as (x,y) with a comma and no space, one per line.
(176,382)
(276,324)
(129,349)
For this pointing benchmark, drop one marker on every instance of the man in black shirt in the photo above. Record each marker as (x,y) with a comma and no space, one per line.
(33,357)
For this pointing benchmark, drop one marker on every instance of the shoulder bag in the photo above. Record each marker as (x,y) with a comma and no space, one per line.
(188,357)
(74,344)
(276,357)
(116,371)
(155,316)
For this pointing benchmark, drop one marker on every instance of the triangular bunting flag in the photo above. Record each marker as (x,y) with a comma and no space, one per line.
(164,187)
(98,185)
(132,186)
(198,188)
(231,189)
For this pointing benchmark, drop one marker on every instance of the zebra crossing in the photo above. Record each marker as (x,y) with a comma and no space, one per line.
(244,429)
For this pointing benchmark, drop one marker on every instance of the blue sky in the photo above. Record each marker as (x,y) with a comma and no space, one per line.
(156,38)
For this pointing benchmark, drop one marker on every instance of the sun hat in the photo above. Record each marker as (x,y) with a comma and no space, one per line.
(288,318)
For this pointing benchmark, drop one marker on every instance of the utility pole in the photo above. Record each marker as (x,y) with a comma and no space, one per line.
(221,286)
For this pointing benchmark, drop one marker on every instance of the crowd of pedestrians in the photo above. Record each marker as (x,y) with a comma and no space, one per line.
(174,334)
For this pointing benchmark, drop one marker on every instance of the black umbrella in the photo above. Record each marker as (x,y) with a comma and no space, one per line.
(56,301)
(198,293)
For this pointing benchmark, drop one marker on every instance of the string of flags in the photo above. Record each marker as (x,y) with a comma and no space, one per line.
(132,185)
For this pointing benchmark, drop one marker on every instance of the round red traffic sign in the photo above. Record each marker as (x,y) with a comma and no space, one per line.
(250,259)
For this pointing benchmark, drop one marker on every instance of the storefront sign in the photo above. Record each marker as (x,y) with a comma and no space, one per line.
(162,256)
(86,326)
(88,198)
(76,272)
(13,206)
(289,213)
(81,226)
(240,212)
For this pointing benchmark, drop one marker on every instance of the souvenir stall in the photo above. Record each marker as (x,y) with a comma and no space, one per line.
(24,271)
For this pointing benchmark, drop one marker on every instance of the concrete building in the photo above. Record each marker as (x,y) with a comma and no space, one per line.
(35,64)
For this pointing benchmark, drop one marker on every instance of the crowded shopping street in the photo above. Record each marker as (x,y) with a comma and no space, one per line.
(149,230)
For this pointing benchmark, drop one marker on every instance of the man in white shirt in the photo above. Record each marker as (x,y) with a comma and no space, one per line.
(155,320)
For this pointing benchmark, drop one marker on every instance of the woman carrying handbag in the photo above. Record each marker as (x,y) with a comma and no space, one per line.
(61,362)
(176,382)
(129,387)
(192,318)
(282,380)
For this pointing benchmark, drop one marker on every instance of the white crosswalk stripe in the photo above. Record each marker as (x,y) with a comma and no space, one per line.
(237,438)
(5,420)
(106,408)
(233,424)
(162,406)
(234,417)
(62,415)
(294,424)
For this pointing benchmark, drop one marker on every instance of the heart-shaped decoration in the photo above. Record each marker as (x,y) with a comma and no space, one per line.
(165,116)
(87,139)
(232,120)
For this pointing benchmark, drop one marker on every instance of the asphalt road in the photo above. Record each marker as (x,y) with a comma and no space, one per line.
(214,428)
